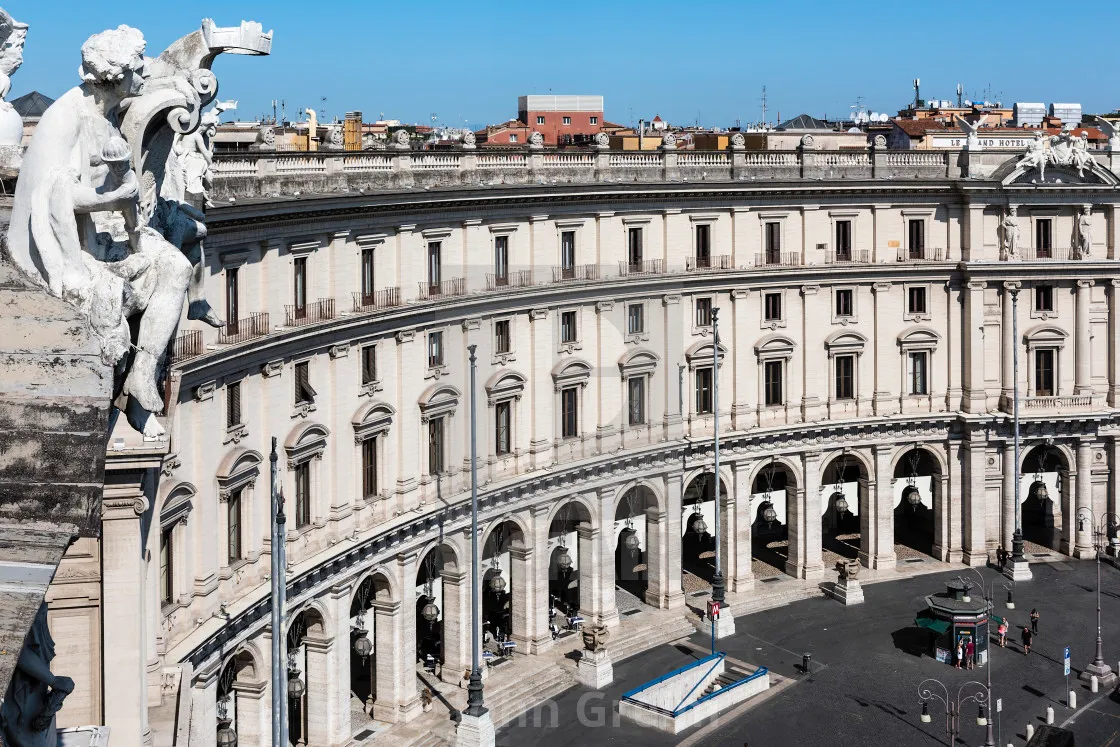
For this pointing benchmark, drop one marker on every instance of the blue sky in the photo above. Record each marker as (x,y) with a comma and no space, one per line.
(467,62)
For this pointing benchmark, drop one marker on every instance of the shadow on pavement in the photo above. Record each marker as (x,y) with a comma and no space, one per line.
(912,640)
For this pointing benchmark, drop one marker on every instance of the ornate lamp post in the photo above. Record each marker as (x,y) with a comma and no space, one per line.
(1099,667)
(989,591)
(1019,569)
(717,611)
(926,693)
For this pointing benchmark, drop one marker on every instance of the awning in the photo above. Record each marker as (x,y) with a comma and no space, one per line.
(937,626)
(997,620)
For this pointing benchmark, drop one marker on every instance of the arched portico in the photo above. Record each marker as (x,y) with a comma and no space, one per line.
(1046,502)
(845,499)
(773,488)
(507,579)
(573,563)
(698,525)
(918,491)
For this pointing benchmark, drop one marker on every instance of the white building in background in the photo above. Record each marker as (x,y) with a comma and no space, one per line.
(865,311)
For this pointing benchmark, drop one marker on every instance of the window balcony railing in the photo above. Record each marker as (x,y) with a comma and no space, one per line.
(452,287)
(1067,402)
(245,329)
(855,257)
(382,299)
(646,267)
(316,311)
(777,259)
(515,279)
(1046,253)
(575,272)
(699,264)
(925,254)
(185,346)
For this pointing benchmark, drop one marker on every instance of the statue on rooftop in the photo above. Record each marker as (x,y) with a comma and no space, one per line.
(12,35)
(35,695)
(972,141)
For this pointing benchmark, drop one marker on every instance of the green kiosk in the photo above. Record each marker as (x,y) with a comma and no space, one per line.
(954,616)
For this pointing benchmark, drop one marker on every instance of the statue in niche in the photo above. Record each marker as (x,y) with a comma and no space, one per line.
(1083,237)
(35,695)
(118,239)
(1011,234)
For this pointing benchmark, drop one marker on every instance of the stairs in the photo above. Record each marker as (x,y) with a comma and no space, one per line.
(623,645)
(507,701)
(796,593)
(723,680)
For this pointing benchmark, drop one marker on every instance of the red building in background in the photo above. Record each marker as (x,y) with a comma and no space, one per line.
(562,120)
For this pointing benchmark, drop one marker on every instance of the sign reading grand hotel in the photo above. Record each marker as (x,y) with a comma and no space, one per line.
(1005,142)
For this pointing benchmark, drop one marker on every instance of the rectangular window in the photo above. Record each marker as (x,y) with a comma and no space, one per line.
(1043,238)
(773,243)
(540,120)
(367,274)
(844,302)
(369,364)
(434,266)
(232,296)
(1043,298)
(703,312)
(305,393)
(568,326)
(233,527)
(703,245)
(300,287)
(501,260)
(569,412)
(634,247)
(435,445)
(233,404)
(503,423)
(167,566)
(513,138)
(773,382)
(845,376)
(916,235)
(567,120)
(843,240)
(501,336)
(918,364)
(568,253)
(703,391)
(1044,373)
(369,468)
(435,349)
(916,300)
(772,307)
(594,120)
(303,494)
(636,399)
(635,319)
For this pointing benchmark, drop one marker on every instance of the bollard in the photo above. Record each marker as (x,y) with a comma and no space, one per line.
(1050,715)
(1072,700)
(1094,683)
(1030,732)
(806,660)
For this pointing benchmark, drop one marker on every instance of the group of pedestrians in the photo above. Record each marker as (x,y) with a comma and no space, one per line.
(966,647)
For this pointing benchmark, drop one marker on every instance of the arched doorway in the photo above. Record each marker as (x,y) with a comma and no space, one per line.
(306,625)
(631,546)
(844,497)
(431,604)
(499,586)
(772,488)
(698,524)
(1044,495)
(917,481)
(569,557)
(363,634)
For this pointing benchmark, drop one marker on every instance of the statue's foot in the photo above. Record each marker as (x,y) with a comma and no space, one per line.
(204,311)
(143,421)
(141,381)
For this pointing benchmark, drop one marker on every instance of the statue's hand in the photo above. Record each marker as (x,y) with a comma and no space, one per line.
(63,683)
(130,187)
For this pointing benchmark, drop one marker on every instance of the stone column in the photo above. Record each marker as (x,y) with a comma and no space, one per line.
(204,706)
(396,698)
(1114,338)
(338,667)
(884,403)
(321,678)
(738,569)
(676,327)
(655,557)
(523,590)
(1082,351)
(254,721)
(1010,475)
(607,612)
(456,624)
(541,389)
(804,559)
(590,572)
(742,413)
(814,375)
(535,599)
(124,681)
(1084,496)
(974,397)
(674,591)
(974,459)
(877,524)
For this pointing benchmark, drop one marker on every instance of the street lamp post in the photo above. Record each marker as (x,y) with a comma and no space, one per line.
(1099,667)
(926,693)
(989,591)
(1018,569)
(476,727)
(720,618)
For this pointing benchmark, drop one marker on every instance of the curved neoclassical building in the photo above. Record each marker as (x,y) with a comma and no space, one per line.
(865,313)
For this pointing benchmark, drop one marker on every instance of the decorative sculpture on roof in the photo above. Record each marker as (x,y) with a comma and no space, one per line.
(119,239)
(195,154)
(536,140)
(335,137)
(12,35)
(1010,227)
(1112,129)
(1064,150)
(401,139)
(738,141)
(972,141)
(469,140)
(1083,235)
(35,695)
(668,141)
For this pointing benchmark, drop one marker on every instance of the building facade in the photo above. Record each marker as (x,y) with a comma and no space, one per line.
(865,353)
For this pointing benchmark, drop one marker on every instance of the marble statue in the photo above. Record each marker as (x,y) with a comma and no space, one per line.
(1112,129)
(1010,227)
(668,141)
(35,695)
(1080,157)
(536,140)
(101,216)
(402,140)
(335,137)
(1083,237)
(738,141)
(1036,156)
(12,35)
(195,153)
(266,138)
(972,141)
(469,140)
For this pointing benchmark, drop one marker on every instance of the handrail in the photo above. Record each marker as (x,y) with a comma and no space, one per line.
(719,660)
(674,673)
(750,678)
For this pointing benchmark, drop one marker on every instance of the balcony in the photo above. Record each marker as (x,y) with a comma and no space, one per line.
(1047,253)
(316,311)
(1067,402)
(515,279)
(646,267)
(923,254)
(858,257)
(382,299)
(701,264)
(575,272)
(243,330)
(452,287)
(777,259)
(185,346)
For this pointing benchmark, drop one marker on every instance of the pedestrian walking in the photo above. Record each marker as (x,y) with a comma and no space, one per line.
(1002,634)
(960,652)
(1034,621)
(970,654)
(1001,557)
(1028,636)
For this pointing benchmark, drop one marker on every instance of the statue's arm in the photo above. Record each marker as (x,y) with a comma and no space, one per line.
(88,200)
(32,665)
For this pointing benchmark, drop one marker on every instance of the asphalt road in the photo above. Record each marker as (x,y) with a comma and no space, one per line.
(862,688)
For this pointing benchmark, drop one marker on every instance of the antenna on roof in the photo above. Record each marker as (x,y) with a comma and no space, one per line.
(960,92)
(917,93)
(764,106)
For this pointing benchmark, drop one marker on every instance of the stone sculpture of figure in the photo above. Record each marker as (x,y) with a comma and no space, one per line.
(738,142)
(195,152)
(12,35)
(1112,129)
(35,695)
(602,140)
(335,136)
(668,141)
(1084,236)
(1081,159)
(266,138)
(536,140)
(1011,234)
(469,140)
(1036,156)
(1061,147)
(972,142)
(402,140)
